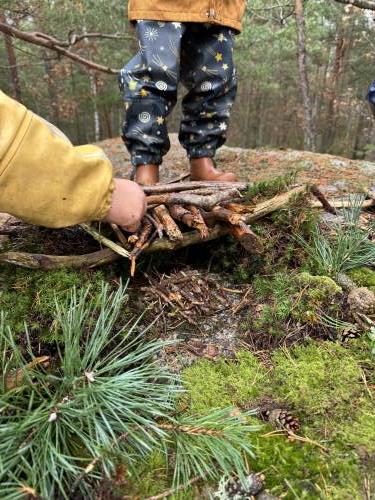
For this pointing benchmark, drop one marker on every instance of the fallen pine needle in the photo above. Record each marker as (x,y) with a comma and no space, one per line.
(291,435)
(171,491)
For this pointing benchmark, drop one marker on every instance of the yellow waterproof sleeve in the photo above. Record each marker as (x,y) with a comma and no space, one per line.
(44,179)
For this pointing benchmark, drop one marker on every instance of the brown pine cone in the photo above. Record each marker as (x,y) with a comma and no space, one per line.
(281,419)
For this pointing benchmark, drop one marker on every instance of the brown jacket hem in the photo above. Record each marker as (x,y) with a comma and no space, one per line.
(184,17)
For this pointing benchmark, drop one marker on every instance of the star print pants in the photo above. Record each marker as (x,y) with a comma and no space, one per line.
(198,55)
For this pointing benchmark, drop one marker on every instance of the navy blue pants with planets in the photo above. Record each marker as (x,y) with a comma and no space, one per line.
(198,55)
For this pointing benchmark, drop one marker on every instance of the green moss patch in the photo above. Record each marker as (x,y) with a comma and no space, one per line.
(363,276)
(29,296)
(322,384)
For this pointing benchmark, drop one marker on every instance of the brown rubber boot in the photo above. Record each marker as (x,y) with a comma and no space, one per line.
(147,175)
(203,169)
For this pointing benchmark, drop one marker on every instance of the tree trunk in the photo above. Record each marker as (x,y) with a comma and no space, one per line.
(309,127)
(12,60)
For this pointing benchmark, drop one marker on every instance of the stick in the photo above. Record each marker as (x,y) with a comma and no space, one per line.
(187,186)
(157,224)
(189,218)
(120,235)
(169,225)
(206,202)
(47,262)
(323,200)
(198,221)
(342,204)
(105,241)
(224,215)
(275,203)
(52,44)
(248,239)
(144,234)
(181,177)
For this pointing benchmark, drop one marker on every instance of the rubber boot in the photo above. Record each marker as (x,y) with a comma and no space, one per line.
(203,169)
(147,175)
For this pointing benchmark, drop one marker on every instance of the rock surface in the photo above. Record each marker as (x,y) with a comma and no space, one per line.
(334,174)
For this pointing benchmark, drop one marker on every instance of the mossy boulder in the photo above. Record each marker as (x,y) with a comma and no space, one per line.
(300,297)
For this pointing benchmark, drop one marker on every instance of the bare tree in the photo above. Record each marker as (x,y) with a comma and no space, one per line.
(309,126)
(12,61)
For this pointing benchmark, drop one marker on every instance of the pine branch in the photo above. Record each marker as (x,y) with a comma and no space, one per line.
(361,4)
(52,43)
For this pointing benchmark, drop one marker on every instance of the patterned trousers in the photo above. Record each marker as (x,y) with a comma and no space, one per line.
(198,55)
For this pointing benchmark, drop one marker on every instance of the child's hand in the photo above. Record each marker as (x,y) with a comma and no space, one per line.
(128,205)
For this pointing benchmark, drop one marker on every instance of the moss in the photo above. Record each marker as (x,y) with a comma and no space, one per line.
(299,297)
(29,296)
(320,379)
(221,384)
(363,276)
(360,432)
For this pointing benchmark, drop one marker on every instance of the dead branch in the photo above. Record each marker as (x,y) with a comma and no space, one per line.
(198,221)
(120,235)
(323,200)
(361,4)
(156,223)
(276,203)
(187,186)
(247,238)
(144,234)
(190,218)
(223,215)
(206,202)
(43,40)
(169,225)
(342,204)
(47,262)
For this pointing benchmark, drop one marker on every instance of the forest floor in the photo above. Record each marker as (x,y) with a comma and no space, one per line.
(253,332)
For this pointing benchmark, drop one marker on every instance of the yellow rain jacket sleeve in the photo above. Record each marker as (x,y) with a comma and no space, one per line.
(44,179)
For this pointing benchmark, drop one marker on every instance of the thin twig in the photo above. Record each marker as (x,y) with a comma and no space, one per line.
(105,241)
(120,235)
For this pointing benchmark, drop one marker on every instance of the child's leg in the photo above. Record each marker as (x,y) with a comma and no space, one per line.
(149,85)
(207,70)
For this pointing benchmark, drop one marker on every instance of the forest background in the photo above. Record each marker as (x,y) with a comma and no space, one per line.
(270,110)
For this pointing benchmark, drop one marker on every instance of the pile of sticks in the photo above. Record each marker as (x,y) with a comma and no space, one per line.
(174,209)
(178,215)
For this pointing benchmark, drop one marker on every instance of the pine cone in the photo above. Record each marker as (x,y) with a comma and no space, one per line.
(349,334)
(254,484)
(361,300)
(281,419)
